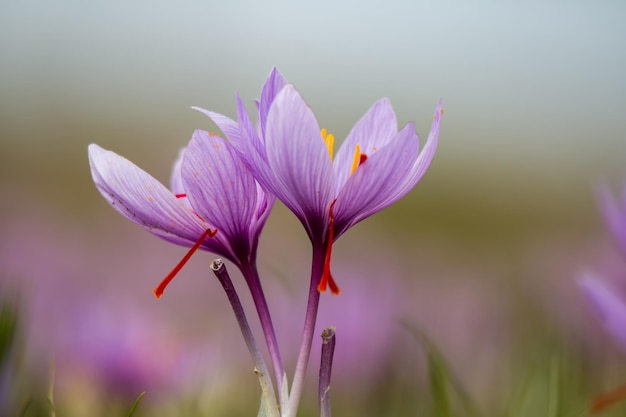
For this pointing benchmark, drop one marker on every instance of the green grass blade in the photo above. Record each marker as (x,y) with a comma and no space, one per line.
(135,404)
(554,387)
(8,329)
(440,378)
(439,382)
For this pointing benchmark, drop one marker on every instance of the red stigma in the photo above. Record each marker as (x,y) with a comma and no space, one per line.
(327,278)
(158,291)
(603,401)
(183,195)
(362,158)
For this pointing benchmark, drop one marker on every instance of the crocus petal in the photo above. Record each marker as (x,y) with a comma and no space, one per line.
(274,83)
(264,204)
(373,186)
(220,188)
(253,153)
(299,158)
(242,136)
(176,181)
(250,146)
(375,129)
(609,306)
(228,126)
(142,199)
(424,159)
(614,216)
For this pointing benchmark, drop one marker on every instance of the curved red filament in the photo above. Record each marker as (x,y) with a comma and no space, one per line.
(158,291)
(327,278)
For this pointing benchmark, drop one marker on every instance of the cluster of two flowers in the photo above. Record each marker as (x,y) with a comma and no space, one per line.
(223,190)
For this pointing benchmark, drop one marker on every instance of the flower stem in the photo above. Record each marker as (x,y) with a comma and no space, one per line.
(326,365)
(219,269)
(317,269)
(256,290)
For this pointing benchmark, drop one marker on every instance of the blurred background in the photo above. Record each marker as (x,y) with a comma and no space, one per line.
(482,256)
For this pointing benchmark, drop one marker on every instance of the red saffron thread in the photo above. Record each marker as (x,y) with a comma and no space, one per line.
(602,401)
(327,278)
(158,291)
(362,158)
(183,195)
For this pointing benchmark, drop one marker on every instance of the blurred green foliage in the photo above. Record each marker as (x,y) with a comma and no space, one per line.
(8,328)
(547,377)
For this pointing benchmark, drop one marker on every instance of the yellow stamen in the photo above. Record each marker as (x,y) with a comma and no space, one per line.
(356,160)
(329,138)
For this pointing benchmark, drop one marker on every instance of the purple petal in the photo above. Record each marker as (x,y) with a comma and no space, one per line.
(614,216)
(373,186)
(249,146)
(242,136)
(274,83)
(228,126)
(252,151)
(263,208)
(264,204)
(176,181)
(424,159)
(608,305)
(142,199)
(375,129)
(220,188)
(299,158)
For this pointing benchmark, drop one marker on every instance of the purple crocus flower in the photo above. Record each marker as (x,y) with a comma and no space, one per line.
(215,203)
(293,158)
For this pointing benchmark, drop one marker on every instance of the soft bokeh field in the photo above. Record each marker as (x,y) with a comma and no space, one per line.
(482,256)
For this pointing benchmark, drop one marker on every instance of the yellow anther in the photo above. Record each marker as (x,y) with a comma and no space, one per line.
(356,160)
(329,138)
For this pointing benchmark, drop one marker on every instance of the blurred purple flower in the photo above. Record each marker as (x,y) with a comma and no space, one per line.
(107,343)
(120,351)
(609,303)
(292,157)
(614,213)
(215,203)
(463,316)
